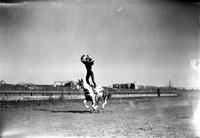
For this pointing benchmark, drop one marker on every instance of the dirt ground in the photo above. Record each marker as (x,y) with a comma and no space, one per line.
(166,117)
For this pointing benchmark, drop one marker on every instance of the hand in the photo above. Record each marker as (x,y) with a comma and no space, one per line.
(82,57)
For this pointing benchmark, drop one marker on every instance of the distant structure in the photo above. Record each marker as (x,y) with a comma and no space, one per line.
(2,82)
(170,84)
(158,92)
(59,83)
(133,85)
(69,84)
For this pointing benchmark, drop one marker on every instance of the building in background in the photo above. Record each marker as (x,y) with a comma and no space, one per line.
(132,85)
(68,84)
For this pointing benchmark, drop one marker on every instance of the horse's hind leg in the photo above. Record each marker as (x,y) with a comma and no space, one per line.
(105,102)
(85,101)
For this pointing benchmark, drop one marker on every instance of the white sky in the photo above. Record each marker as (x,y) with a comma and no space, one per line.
(151,42)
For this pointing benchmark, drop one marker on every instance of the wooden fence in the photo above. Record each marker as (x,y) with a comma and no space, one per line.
(51,93)
(44,95)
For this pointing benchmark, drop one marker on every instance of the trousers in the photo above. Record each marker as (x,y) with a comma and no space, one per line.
(88,75)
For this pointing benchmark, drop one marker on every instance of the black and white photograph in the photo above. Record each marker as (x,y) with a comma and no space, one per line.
(99,69)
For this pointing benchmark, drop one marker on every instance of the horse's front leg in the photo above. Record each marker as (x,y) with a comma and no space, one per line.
(85,101)
(94,104)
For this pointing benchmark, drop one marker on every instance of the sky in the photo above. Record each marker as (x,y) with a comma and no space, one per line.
(148,41)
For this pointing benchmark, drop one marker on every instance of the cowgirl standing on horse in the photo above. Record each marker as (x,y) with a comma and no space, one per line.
(88,62)
(92,92)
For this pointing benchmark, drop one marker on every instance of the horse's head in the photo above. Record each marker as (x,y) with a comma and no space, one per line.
(80,84)
(84,87)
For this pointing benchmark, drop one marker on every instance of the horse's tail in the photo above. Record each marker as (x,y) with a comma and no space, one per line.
(107,94)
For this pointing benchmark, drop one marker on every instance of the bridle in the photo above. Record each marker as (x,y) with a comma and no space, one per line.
(84,89)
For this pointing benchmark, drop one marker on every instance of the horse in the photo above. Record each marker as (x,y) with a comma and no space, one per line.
(102,94)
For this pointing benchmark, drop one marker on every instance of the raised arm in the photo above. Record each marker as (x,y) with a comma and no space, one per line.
(90,59)
(82,58)
(92,62)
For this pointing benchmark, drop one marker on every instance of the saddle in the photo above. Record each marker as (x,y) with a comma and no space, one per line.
(93,89)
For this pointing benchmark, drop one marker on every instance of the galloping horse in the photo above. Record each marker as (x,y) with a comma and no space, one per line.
(91,96)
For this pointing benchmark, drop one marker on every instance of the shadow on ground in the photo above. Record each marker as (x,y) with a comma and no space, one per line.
(64,111)
(72,111)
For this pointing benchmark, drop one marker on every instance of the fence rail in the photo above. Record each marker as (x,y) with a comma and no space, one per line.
(43,95)
(49,93)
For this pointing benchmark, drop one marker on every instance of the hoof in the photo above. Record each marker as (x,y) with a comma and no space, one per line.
(87,107)
(95,111)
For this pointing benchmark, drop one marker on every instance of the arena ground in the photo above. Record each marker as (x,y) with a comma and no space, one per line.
(165,117)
